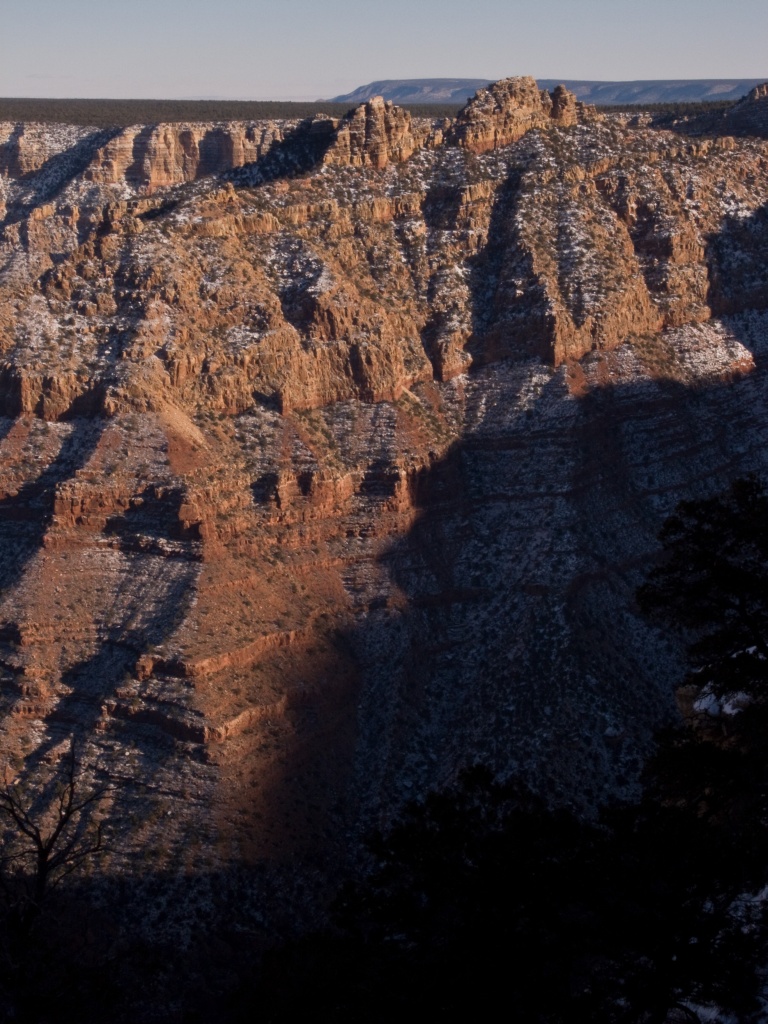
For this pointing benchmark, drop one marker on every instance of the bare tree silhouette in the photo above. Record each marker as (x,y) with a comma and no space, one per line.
(48,833)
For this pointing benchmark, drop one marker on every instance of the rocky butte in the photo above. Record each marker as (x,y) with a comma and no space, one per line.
(334,451)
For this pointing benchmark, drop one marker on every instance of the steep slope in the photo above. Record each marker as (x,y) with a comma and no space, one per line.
(332,451)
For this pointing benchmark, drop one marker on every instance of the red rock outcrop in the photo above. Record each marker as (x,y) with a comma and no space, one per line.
(565,107)
(506,110)
(373,135)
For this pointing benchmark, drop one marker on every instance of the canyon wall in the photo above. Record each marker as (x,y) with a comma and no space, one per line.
(328,470)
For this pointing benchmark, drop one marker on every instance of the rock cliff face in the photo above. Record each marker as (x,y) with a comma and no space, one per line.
(505,111)
(331,454)
(25,148)
(373,135)
(171,154)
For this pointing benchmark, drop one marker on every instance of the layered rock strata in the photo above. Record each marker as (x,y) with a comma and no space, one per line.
(316,485)
(171,154)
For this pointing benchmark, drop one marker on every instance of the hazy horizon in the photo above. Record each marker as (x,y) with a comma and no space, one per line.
(214,98)
(241,50)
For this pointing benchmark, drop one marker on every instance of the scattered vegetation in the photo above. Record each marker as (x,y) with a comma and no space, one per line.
(672,110)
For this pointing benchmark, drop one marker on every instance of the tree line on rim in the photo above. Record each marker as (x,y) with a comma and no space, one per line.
(124,113)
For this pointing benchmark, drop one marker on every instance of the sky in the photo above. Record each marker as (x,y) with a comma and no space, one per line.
(312,49)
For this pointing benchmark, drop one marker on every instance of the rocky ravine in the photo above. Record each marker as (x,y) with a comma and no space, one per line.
(332,452)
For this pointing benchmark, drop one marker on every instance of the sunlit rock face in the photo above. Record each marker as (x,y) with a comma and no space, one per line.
(331,453)
(508,109)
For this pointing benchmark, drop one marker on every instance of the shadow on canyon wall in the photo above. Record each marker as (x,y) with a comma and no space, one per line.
(27,515)
(88,684)
(150,600)
(6,425)
(505,328)
(44,184)
(520,644)
(737,257)
(300,151)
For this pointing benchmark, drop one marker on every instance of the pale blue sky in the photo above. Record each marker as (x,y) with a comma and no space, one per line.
(300,49)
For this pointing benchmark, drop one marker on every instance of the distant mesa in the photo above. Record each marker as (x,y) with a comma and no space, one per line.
(451,91)
(456,91)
